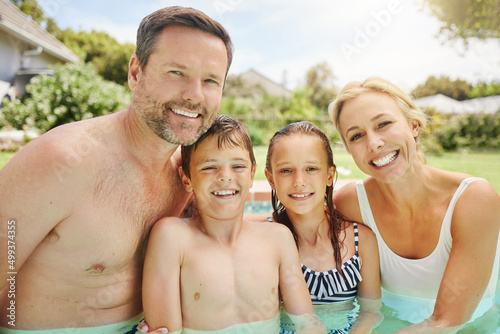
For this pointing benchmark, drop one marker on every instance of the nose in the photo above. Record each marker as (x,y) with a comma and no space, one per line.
(193,90)
(374,141)
(298,180)
(224,175)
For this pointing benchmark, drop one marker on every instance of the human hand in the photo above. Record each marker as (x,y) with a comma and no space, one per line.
(144,328)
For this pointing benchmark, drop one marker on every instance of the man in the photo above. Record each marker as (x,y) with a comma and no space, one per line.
(83,197)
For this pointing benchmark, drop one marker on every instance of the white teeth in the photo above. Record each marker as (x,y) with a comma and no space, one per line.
(300,195)
(225,192)
(385,160)
(184,113)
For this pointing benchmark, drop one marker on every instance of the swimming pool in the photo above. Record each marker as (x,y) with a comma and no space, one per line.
(337,316)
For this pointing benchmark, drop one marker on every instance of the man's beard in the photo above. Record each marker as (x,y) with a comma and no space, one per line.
(157,117)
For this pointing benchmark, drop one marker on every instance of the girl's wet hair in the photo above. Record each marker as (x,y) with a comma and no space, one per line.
(335,219)
(230,133)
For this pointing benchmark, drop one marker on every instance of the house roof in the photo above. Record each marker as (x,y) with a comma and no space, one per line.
(489,105)
(441,103)
(17,24)
(270,87)
(445,104)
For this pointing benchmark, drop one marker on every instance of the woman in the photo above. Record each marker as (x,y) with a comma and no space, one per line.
(437,230)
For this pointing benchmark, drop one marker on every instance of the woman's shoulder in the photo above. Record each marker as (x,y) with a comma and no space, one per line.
(451,181)
(345,200)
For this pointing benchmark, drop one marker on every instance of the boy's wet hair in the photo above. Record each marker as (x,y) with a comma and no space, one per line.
(230,133)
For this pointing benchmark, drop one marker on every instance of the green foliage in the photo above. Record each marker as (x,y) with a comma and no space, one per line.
(456,89)
(476,131)
(320,79)
(75,92)
(109,57)
(483,89)
(463,19)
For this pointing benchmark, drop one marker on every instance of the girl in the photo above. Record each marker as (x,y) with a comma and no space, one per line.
(339,258)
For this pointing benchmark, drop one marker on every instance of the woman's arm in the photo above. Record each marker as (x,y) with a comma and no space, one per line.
(369,293)
(474,229)
(161,283)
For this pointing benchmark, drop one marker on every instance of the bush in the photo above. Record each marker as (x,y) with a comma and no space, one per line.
(476,131)
(73,93)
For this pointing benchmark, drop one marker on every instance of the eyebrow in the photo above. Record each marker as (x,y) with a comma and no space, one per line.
(374,118)
(184,67)
(284,163)
(205,161)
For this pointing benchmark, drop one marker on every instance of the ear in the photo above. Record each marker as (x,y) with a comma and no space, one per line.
(254,168)
(415,128)
(134,72)
(331,176)
(186,182)
(269,177)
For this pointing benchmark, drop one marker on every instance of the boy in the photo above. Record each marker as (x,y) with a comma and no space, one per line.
(215,270)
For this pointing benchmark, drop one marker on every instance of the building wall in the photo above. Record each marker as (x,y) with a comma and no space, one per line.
(13,60)
(10,58)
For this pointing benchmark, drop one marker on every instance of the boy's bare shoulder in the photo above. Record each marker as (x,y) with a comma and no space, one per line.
(172,227)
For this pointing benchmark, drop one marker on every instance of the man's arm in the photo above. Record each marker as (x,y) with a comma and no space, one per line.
(474,229)
(161,283)
(38,189)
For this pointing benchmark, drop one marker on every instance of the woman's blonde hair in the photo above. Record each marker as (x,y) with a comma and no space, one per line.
(379,85)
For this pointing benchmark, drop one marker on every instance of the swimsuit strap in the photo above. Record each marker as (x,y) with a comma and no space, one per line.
(356,238)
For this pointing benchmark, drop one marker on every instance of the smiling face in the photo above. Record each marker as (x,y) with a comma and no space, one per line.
(378,135)
(178,92)
(299,173)
(220,178)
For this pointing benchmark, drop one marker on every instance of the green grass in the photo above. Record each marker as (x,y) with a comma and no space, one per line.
(5,157)
(483,164)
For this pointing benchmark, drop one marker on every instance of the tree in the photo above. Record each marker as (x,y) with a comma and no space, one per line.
(109,57)
(463,19)
(483,89)
(456,89)
(320,79)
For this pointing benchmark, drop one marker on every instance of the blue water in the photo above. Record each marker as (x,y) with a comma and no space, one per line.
(338,315)
(258,207)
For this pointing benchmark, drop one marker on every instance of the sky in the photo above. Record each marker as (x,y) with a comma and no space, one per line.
(282,39)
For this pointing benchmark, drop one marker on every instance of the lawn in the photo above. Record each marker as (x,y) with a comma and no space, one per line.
(483,164)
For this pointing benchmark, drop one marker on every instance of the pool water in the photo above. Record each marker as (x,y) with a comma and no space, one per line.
(338,316)
(258,208)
